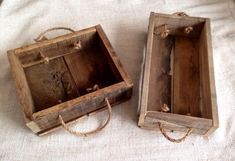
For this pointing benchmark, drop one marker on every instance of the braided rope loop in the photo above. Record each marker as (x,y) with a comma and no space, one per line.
(172,139)
(77,133)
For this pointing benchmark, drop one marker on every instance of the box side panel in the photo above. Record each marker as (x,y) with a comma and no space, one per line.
(22,87)
(50,42)
(74,109)
(207,78)
(152,124)
(146,72)
(113,56)
(176,121)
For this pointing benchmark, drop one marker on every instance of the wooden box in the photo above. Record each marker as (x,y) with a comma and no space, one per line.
(67,76)
(178,87)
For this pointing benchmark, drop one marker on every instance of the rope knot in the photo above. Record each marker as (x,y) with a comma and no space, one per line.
(188,29)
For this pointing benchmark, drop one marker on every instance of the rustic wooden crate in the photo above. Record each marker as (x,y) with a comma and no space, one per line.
(70,75)
(178,87)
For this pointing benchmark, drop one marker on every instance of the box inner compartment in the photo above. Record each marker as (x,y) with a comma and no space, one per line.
(176,68)
(70,72)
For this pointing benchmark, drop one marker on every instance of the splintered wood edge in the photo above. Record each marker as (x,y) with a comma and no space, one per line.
(146,72)
(113,56)
(215,117)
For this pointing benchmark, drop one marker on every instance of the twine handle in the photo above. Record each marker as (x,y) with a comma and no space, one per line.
(77,133)
(172,139)
(42,36)
(180,14)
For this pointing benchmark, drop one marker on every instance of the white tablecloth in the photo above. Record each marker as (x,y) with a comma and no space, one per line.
(125,23)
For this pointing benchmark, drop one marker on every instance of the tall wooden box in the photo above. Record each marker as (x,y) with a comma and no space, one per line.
(61,79)
(178,87)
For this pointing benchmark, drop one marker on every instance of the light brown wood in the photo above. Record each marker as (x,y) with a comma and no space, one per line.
(53,77)
(181,120)
(22,87)
(146,72)
(209,99)
(183,55)
(186,81)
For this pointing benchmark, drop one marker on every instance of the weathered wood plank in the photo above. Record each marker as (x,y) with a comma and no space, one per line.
(146,72)
(50,84)
(182,120)
(209,101)
(186,84)
(160,80)
(58,72)
(193,87)
(92,102)
(22,87)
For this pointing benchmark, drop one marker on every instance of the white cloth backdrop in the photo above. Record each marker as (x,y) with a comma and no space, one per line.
(125,23)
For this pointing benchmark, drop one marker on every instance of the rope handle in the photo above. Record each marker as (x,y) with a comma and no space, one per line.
(76,45)
(180,14)
(42,36)
(165,108)
(77,133)
(172,139)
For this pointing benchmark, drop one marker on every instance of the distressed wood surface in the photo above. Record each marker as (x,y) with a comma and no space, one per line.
(90,103)
(186,81)
(208,88)
(181,120)
(22,87)
(53,77)
(50,84)
(192,88)
(160,80)
(146,72)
